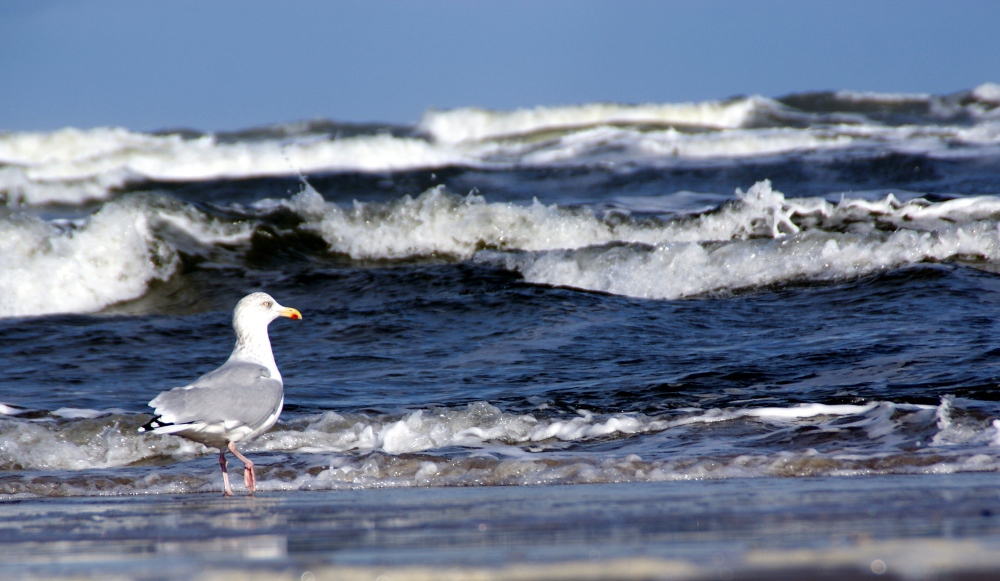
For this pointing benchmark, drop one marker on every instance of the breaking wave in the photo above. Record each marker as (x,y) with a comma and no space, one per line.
(479,444)
(758,238)
(84,265)
(74,166)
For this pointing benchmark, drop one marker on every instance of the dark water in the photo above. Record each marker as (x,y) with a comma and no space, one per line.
(540,303)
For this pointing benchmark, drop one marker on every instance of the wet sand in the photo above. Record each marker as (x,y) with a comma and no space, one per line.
(914,527)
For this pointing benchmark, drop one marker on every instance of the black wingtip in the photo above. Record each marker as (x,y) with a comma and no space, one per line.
(153,424)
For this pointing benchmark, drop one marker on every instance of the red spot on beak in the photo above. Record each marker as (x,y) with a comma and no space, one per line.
(290,313)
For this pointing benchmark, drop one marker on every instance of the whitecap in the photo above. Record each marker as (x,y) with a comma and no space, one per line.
(111,256)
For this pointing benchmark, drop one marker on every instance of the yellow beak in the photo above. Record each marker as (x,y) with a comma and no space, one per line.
(290,313)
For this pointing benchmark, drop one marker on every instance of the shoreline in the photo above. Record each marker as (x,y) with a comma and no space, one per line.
(913,527)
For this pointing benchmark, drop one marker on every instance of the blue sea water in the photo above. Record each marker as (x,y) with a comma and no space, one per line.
(799,288)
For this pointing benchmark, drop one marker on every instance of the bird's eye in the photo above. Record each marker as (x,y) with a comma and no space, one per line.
(267,304)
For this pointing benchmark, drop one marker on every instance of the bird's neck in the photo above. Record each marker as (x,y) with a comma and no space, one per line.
(255,347)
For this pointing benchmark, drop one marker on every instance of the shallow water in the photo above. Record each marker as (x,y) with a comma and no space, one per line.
(766,528)
(715,292)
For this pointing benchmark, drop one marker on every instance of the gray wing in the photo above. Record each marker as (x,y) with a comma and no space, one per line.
(236,392)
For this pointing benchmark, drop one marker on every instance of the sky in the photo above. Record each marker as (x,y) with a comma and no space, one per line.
(230,64)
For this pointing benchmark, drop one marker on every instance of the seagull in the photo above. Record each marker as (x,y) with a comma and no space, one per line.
(238,401)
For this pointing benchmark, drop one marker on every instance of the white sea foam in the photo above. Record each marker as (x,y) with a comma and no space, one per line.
(675,270)
(989,92)
(985,97)
(439,223)
(883,97)
(420,448)
(472,124)
(667,148)
(614,144)
(482,425)
(89,440)
(84,266)
(72,166)
(10,410)
(71,144)
(46,269)
(762,238)
(802,240)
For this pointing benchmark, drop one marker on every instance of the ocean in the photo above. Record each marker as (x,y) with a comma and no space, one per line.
(750,337)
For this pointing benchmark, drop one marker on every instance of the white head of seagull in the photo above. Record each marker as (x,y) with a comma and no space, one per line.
(251,317)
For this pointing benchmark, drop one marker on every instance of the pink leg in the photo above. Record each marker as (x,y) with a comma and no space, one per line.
(249,478)
(225,472)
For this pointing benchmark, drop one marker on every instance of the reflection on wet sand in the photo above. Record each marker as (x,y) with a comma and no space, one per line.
(756,528)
